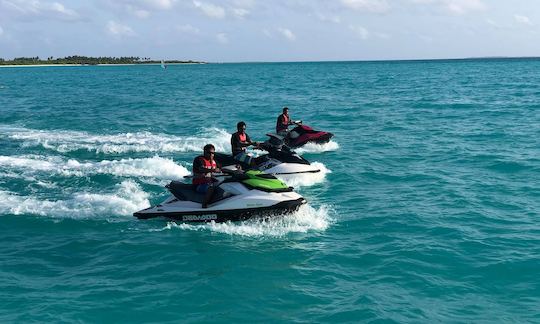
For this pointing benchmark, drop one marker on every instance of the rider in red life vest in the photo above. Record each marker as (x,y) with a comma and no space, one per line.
(283,122)
(239,142)
(203,167)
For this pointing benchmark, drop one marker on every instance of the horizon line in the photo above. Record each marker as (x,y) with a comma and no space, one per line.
(331,61)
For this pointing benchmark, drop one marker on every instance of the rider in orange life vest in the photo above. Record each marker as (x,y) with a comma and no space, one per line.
(239,142)
(283,122)
(203,167)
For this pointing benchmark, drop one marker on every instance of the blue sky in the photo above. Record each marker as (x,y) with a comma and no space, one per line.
(280,30)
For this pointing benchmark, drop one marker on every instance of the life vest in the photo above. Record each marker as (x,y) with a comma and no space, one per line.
(237,147)
(282,126)
(204,177)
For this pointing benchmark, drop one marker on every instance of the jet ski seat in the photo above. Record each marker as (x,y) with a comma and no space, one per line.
(225,159)
(184,191)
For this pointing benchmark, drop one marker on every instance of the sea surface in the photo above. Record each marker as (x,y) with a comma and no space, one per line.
(427,208)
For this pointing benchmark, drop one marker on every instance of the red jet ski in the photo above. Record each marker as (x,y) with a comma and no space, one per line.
(303,134)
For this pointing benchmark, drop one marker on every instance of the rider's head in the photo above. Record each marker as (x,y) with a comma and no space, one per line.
(209,150)
(286,110)
(241,126)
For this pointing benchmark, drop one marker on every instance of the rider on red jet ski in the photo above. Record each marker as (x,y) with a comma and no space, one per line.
(283,123)
(301,134)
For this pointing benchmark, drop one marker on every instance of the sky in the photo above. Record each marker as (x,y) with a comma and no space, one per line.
(272,30)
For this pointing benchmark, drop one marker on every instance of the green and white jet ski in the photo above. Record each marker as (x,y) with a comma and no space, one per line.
(238,196)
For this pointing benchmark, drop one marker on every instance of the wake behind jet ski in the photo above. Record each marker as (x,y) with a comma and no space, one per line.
(238,196)
(280,159)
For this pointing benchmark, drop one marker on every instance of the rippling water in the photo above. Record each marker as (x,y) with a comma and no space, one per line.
(427,209)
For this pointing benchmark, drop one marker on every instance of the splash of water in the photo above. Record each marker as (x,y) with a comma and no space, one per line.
(306,219)
(128,198)
(155,167)
(318,148)
(307,179)
(68,141)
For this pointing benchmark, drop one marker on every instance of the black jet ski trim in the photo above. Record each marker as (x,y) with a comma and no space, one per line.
(232,215)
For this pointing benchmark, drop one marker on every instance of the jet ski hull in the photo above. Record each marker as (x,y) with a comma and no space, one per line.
(225,215)
(316,138)
(303,134)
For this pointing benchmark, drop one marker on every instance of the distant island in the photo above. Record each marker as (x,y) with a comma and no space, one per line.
(86,60)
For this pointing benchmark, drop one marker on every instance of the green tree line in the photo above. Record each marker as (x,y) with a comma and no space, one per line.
(86,60)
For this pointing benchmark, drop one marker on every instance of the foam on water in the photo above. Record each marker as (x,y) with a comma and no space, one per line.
(127,199)
(306,219)
(307,179)
(317,148)
(155,167)
(68,141)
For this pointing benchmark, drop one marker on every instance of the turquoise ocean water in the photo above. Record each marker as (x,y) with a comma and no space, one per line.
(427,209)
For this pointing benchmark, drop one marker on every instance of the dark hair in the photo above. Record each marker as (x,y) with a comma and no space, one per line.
(285,109)
(207,147)
(240,125)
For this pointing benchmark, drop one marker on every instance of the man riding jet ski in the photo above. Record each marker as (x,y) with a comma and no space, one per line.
(280,159)
(237,196)
(301,134)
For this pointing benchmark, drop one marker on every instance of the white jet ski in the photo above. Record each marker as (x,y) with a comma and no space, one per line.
(280,159)
(238,196)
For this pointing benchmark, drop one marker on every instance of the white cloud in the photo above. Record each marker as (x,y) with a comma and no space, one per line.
(188,29)
(464,6)
(492,22)
(360,31)
(58,7)
(267,33)
(240,12)
(158,4)
(117,29)
(244,3)
(209,9)
(53,10)
(523,20)
(378,6)
(142,8)
(458,7)
(222,38)
(326,18)
(287,33)
(137,12)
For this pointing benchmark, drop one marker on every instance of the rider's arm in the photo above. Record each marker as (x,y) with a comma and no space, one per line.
(198,166)
(291,121)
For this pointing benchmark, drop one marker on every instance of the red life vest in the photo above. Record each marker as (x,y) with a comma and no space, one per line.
(282,125)
(204,177)
(242,137)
